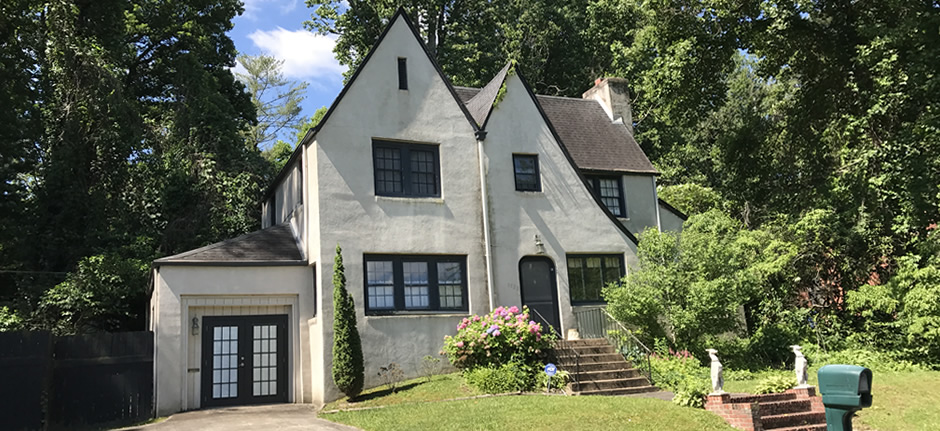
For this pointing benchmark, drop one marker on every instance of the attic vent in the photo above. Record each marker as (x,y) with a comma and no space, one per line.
(402,73)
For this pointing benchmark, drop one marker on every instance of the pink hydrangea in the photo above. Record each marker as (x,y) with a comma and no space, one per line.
(460,344)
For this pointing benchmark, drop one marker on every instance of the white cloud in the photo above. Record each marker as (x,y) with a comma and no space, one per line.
(252,7)
(305,54)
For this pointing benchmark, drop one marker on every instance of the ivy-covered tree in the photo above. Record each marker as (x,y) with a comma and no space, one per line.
(348,367)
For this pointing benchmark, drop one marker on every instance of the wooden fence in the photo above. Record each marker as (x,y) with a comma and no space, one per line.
(74,382)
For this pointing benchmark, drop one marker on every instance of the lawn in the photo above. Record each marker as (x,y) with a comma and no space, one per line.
(535,412)
(902,401)
(442,387)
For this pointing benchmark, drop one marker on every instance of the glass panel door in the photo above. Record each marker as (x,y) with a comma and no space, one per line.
(225,362)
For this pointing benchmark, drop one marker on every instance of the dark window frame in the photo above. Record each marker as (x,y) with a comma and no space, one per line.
(516,173)
(404,150)
(434,296)
(584,257)
(402,73)
(596,187)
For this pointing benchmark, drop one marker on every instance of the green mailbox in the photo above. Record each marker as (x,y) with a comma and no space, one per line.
(845,390)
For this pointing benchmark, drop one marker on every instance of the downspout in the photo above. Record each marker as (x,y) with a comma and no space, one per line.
(659,223)
(487,247)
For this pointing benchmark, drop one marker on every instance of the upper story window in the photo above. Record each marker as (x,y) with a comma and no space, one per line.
(415,283)
(610,190)
(405,169)
(402,73)
(589,273)
(526,170)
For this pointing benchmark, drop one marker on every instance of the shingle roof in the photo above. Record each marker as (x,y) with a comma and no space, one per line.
(595,143)
(274,245)
(481,104)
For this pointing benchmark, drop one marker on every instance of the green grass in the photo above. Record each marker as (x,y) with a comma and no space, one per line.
(535,412)
(902,401)
(442,387)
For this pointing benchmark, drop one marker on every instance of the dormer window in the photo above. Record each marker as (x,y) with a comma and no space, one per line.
(402,73)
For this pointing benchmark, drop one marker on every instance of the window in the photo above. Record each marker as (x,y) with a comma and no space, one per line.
(610,191)
(588,274)
(403,169)
(415,283)
(402,73)
(526,169)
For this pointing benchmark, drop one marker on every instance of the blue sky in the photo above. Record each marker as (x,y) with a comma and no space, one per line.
(275,27)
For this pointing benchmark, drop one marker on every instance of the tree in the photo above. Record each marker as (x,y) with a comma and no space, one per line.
(276,99)
(348,368)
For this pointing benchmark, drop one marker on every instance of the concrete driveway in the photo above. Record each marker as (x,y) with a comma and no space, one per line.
(280,417)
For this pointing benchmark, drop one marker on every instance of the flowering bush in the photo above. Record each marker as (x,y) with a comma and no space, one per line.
(503,336)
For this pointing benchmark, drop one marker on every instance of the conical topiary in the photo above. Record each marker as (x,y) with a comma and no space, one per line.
(348,370)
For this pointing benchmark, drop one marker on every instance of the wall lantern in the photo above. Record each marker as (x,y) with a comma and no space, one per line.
(196,325)
(539,247)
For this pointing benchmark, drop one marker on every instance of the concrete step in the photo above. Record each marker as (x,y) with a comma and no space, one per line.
(591,358)
(818,427)
(582,343)
(621,373)
(585,350)
(791,420)
(772,408)
(762,398)
(595,385)
(619,391)
(596,366)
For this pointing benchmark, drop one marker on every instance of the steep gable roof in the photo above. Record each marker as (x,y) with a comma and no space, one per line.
(268,247)
(481,104)
(399,14)
(595,142)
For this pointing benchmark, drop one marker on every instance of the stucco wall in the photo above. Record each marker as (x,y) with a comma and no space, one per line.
(670,220)
(640,194)
(563,214)
(179,290)
(349,212)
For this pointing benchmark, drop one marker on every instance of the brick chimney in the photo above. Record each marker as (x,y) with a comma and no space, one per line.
(613,95)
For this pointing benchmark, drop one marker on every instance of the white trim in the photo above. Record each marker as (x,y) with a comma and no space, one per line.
(487,246)
(659,223)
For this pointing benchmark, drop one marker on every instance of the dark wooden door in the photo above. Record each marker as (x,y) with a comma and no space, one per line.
(539,291)
(244,360)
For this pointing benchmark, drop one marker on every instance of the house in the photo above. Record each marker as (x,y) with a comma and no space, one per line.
(447,201)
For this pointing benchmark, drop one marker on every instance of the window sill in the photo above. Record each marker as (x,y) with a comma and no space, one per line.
(408,199)
(529,192)
(416,314)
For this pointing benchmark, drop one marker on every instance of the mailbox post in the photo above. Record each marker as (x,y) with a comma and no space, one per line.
(845,390)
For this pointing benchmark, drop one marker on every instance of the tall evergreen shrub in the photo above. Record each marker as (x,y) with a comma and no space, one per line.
(348,369)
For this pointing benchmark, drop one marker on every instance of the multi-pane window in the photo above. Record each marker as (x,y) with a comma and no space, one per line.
(403,169)
(610,191)
(410,283)
(588,274)
(526,171)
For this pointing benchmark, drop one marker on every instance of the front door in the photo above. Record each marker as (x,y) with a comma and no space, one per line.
(539,293)
(244,360)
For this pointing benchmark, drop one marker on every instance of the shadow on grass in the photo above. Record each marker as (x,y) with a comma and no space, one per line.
(384,392)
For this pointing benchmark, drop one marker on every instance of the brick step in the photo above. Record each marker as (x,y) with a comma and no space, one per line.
(590,358)
(618,391)
(586,350)
(582,342)
(593,385)
(783,407)
(621,373)
(792,420)
(817,427)
(763,398)
(596,366)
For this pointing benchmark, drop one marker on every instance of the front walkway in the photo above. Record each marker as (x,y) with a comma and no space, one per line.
(279,417)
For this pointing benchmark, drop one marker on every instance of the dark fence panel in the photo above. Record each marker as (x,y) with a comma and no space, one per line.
(91,380)
(25,367)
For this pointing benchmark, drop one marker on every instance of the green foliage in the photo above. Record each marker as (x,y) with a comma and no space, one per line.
(774,384)
(348,367)
(875,360)
(430,366)
(691,393)
(500,379)
(309,124)
(106,293)
(505,335)
(9,321)
(559,380)
(691,198)
(277,100)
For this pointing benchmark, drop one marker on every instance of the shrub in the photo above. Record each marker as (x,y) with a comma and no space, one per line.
(559,380)
(348,369)
(875,360)
(391,375)
(430,366)
(681,373)
(774,384)
(503,336)
(509,377)
(691,393)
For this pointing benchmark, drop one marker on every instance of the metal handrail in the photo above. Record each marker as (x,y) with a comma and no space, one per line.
(564,346)
(599,323)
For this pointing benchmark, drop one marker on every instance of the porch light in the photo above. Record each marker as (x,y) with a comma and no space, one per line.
(539,247)
(196,325)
